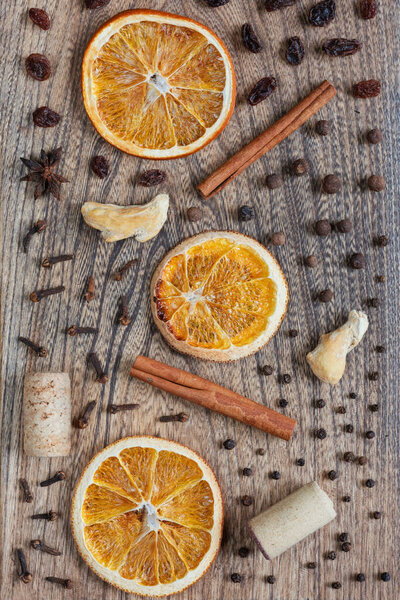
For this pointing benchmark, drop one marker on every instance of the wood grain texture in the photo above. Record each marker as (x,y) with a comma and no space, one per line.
(293,208)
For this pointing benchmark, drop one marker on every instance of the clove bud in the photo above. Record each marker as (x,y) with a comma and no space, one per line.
(83,421)
(23,574)
(38,227)
(39,350)
(40,545)
(101,375)
(181,417)
(119,275)
(59,476)
(52,260)
(76,330)
(37,295)
(124,317)
(28,496)
(49,516)
(114,408)
(65,583)
(89,295)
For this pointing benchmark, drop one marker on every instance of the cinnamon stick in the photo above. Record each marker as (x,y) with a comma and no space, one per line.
(267,140)
(210,395)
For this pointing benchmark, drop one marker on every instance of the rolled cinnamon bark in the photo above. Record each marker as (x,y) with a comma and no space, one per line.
(292,519)
(46,414)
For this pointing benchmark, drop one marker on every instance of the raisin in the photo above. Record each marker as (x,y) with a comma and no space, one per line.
(368,9)
(262,90)
(272,5)
(152,177)
(341,47)
(100,166)
(367,89)
(250,39)
(294,51)
(45,117)
(38,67)
(322,14)
(92,4)
(40,18)
(216,3)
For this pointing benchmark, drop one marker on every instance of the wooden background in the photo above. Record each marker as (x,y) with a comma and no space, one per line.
(293,208)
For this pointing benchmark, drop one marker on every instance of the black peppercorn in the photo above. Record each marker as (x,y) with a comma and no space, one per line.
(236,578)
(246,213)
(343,537)
(362,460)
(374,302)
(325,296)
(311,565)
(370,483)
(293,333)
(261,451)
(320,403)
(336,585)
(320,433)
(332,475)
(323,228)
(247,472)
(346,547)
(370,435)
(353,395)
(311,261)
(243,552)
(376,514)
(341,410)
(331,555)
(267,370)
(275,475)
(283,403)
(300,462)
(286,378)
(273,181)
(348,457)
(349,428)
(380,349)
(373,376)
(374,136)
(346,498)
(385,576)
(360,577)
(247,500)
(380,278)
(344,226)
(300,167)
(229,444)
(323,127)
(373,407)
(357,261)
(271,579)
(382,241)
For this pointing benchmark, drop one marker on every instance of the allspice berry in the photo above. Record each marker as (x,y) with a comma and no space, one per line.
(323,227)
(357,261)
(311,261)
(374,136)
(376,183)
(323,127)
(344,226)
(278,238)
(300,167)
(331,184)
(273,181)
(325,296)
(382,241)
(194,214)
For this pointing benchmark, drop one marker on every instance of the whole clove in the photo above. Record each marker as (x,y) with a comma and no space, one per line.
(94,361)
(27,494)
(49,516)
(53,260)
(76,330)
(114,408)
(42,547)
(37,295)
(39,350)
(23,574)
(124,317)
(38,227)
(181,417)
(59,476)
(83,421)
(89,294)
(65,583)
(120,274)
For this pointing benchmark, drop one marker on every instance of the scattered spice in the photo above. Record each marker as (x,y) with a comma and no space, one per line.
(67,583)
(23,574)
(247,472)
(250,39)
(374,302)
(367,89)
(39,350)
(194,214)
(273,181)
(267,370)
(180,417)
(286,378)
(300,462)
(357,261)
(229,444)
(236,578)
(373,407)
(37,295)
(120,274)
(49,516)
(341,47)
(100,166)
(360,577)
(346,547)
(376,514)
(349,428)
(152,177)
(370,435)
(323,127)
(53,260)
(331,555)
(323,227)
(75,330)
(380,349)
(311,565)
(362,460)
(385,576)
(93,4)
(216,3)
(311,261)
(381,278)
(376,183)
(374,136)
(275,475)
(322,13)
(369,483)
(325,296)
(320,403)
(42,173)
(283,403)
(40,18)
(271,579)
(341,410)
(331,184)
(373,376)
(245,213)
(344,226)
(27,494)
(115,408)
(349,457)
(38,227)
(382,241)
(38,67)
(272,5)
(83,421)
(89,294)
(124,317)
(261,451)
(95,362)
(294,52)
(243,552)
(300,167)
(368,9)
(42,547)
(247,500)
(59,476)
(332,475)
(278,238)
(336,585)
(353,395)
(320,433)
(262,90)
(45,117)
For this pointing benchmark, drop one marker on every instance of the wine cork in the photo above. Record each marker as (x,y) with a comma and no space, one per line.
(46,414)
(292,519)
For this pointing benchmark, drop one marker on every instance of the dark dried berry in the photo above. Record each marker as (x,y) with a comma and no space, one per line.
(357,261)
(376,514)
(323,127)
(247,500)
(278,238)
(311,565)
(300,462)
(250,40)
(38,67)
(344,226)
(320,433)
(369,483)
(245,213)
(374,136)
(294,52)
(273,181)
(349,428)
(322,14)
(300,167)
(286,378)
(325,296)
(373,376)
(262,90)
(346,498)
(380,278)
(40,18)
(194,214)
(332,475)
(271,579)
(247,472)
(331,555)
(336,585)
(341,47)
(369,88)
(275,475)
(45,117)
(349,457)
(376,183)
(374,407)
(229,444)
(323,227)
(311,261)
(346,547)
(382,241)
(341,410)
(243,552)
(267,370)
(362,461)
(283,403)
(235,577)
(331,184)
(368,9)
(353,395)
(374,302)
(152,177)
(343,537)
(370,435)
(380,349)
(385,576)
(271,5)
(100,167)
(360,577)
(92,4)
(261,451)
(320,403)
(293,333)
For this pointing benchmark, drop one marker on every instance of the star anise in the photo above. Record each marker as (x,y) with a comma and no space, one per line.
(42,173)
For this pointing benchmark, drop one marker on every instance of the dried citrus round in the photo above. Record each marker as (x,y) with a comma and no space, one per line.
(218,295)
(147,516)
(157,85)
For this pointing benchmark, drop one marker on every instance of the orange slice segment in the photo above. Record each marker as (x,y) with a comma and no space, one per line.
(155,129)
(142,39)
(175,273)
(193,507)
(204,331)
(177,324)
(205,71)
(201,259)
(141,562)
(205,106)
(112,475)
(170,565)
(139,464)
(257,296)
(109,542)
(191,544)
(167,307)
(101,504)
(177,45)
(242,328)
(164,289)
(187,128)
(239,265)
(173,474)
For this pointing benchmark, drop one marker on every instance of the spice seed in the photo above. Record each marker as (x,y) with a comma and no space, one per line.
(229,444)
(311,565)
(336,585)
(300,462)
(271,579)
(320,433)
(320,403)
(360,577)
(346,498)
(332,475)
(376,514)
(348,457)
(369,483)
(267,370)
(247,472)
(331,555)
(275,475)
(244,552)
(247,500)
(385,576)
(283,403)
(236,578)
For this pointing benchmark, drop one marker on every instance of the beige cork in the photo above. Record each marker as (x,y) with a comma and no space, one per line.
(46,414)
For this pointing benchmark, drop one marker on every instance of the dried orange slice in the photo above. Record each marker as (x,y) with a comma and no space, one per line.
(157,85)
(147,516)
(218,295)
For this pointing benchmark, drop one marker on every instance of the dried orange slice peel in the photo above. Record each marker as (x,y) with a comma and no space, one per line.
(147,516)
(157,85)
(219,295)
